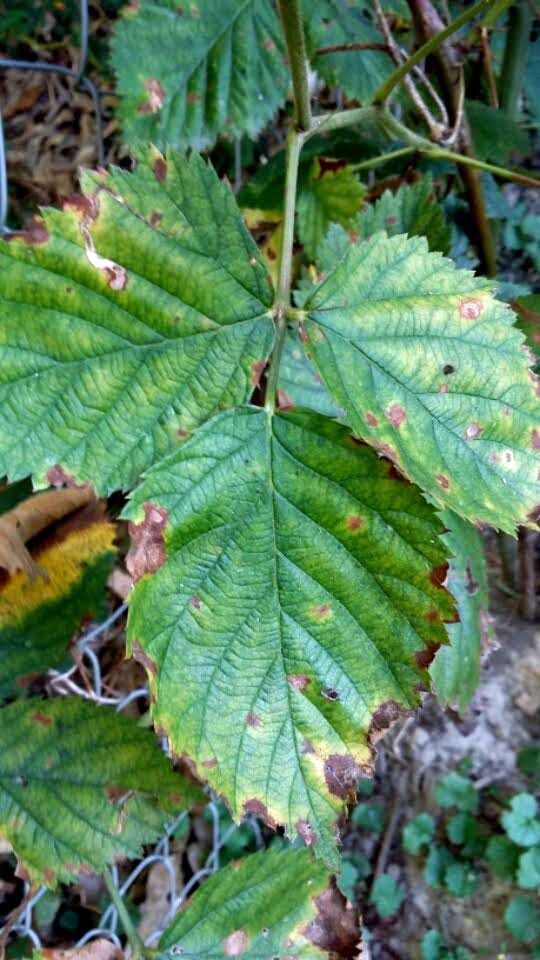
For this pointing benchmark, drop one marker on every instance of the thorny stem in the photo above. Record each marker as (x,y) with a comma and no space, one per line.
(296,49)
(385,89)
(138,948)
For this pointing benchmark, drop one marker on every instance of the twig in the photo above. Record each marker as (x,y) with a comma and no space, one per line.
(350,47)
(389,833)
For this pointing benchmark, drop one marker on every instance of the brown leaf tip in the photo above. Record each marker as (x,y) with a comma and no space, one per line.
(258,809)
(236,943)
(147,551)
(336,928)
(341,773)
(383,718)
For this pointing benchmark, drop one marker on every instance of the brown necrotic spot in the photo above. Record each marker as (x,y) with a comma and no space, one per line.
(321,612)
(35,234)
(383,718)
(284,400)
(341,773)
(425,657)
(431,616)
(396,415)
(147,551)
(448,369)
(208,764)
(42,718)
(473,431)
(257,369)
(155,218)
(298,680)
(253,720)
(385,450)
(354,522)
(371,420)
(535,439)
(235,944)
(155,96)
(470,309)
(306,831)
(438,575)
(160,169)
(195,601)
(258,808)
(330,694)
(442,481)
(336,928)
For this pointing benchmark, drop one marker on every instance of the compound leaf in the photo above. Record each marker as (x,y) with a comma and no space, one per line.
(39,615)
(126,320)
(260,907)
(297,604)
(430,370)
(455,671)
(79,786)
(189,72)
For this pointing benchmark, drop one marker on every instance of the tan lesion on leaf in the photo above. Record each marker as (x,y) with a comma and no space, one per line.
(236,943)
(341,773)
(155,96)
(147,552)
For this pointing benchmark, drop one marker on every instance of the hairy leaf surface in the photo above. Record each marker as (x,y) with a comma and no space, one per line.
(296,607)
(39,616)
(80,785)
(187,72)
(431,371)
(125,321)
(455,671)
(260,907)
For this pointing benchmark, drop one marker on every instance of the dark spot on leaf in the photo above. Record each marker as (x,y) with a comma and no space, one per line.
(383,718)
(341,773)
(302,333)
(396,415)
(471,585)
(155,218)
(116,276)
(443,481)
(147,551)
(88,206)
(253,720)
(390,221)
(298,680)
(354,522)
(470,309)
(396,474)
(269,44)
(235,944)
(306,831)
(257,369)
(330,694)
(322,612)
(42,718)
(371,420)
(258,808)
(195,601)
(183,433)
(336,928)
(142,657)
(385,450)
(425,657)
(495,457)
(20,781)
(535,439)
(448,369)
(307,747)
(431,616)
(160,169)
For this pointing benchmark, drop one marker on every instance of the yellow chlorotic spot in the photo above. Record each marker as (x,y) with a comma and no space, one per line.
(64,562)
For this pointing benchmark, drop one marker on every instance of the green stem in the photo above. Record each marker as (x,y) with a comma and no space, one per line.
(137,946)
(343,118)
(385,89)
(383,158)
(296,49)
(520,21)
(282,307)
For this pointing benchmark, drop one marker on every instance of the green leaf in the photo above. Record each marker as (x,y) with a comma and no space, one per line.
(432,945)
(360,72)
(528,761)
(522,919)
(430,371)
(387,895)
(502,856)
(464,830)
(39,617)
(456,791)
(332,194)
(292,616)
(261,907)
(418,833)
(438,859)
(107,363)
(369,816)
(79,786)
(529,869)
(455,671)
(299,382)
(460,879)
(494,133)
(188,73)
(348,878)
(412,209)
(521,821)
